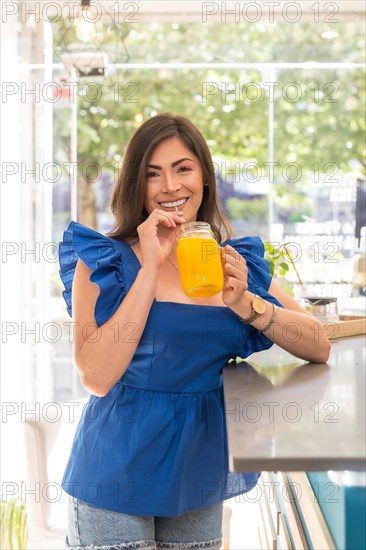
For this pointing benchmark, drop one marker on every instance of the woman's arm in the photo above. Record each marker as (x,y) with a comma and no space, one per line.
(102,354)
(294,329)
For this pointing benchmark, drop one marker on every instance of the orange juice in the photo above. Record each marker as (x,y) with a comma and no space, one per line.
(199,261)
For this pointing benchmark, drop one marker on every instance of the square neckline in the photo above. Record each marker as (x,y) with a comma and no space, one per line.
(155,301)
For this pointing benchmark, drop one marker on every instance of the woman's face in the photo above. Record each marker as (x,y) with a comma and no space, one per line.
(174,179)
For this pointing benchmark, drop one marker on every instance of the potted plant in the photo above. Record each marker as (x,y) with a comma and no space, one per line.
(278,259)
(13,524)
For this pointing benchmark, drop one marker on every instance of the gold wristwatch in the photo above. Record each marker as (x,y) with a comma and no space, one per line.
(259,306)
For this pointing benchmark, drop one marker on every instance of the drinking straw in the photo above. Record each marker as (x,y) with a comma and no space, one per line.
(293,265)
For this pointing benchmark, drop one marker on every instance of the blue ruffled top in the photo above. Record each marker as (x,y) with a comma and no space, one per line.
(156,444)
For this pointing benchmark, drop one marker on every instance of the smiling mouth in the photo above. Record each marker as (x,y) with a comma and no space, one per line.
(173,204)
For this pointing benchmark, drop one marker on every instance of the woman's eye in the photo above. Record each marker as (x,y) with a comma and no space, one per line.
(151,174)
(184,169)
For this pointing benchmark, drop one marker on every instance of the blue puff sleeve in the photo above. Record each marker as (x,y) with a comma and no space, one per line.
(252,249)
(259,280)
(100,254)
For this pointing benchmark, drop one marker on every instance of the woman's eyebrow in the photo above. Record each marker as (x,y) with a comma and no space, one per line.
(180,160)
(175,163)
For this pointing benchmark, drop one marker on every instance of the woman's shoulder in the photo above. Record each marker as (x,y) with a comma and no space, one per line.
(100,253)
(90,245)
(77,231)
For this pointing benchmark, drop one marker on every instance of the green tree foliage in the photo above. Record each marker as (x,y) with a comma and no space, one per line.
(319,118)
(255,209)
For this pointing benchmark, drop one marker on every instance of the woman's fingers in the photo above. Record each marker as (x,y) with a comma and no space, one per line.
(235,284)
(157,217)
(235,270)
(236,275)
(157,234)
(169,219)
(230,255)
(233,263)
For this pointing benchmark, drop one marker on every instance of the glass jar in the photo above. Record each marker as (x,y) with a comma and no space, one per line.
(199,260)
(324,309)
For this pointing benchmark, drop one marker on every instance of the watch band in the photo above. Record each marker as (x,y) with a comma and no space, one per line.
(252,317)
(271,321)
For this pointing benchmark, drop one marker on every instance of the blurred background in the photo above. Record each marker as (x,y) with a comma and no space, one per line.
(277,91)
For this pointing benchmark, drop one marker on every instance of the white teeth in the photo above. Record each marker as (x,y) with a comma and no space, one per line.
(173,204)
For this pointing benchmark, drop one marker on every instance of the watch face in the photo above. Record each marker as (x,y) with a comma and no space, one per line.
(259,305)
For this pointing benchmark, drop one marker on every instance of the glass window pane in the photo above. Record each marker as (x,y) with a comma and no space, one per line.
(319,152)
(280,104)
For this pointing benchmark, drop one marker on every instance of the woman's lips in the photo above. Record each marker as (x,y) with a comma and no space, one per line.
(174,204)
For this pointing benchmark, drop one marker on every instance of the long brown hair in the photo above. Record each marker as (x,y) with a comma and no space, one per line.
(128,197)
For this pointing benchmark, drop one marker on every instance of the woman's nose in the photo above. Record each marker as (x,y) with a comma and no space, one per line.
(170,183)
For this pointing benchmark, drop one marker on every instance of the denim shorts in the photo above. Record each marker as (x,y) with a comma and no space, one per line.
(96,528)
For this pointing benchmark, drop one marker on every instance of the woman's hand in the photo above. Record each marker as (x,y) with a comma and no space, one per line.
(157,236)
(235,276)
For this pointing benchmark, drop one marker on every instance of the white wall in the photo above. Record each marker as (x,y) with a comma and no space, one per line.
(26,138)
(14,355)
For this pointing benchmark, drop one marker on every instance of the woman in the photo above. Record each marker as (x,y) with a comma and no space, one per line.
(148,465)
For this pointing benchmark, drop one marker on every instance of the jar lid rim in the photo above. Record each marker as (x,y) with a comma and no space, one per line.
(193,226)
(320,300)
(188,225)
